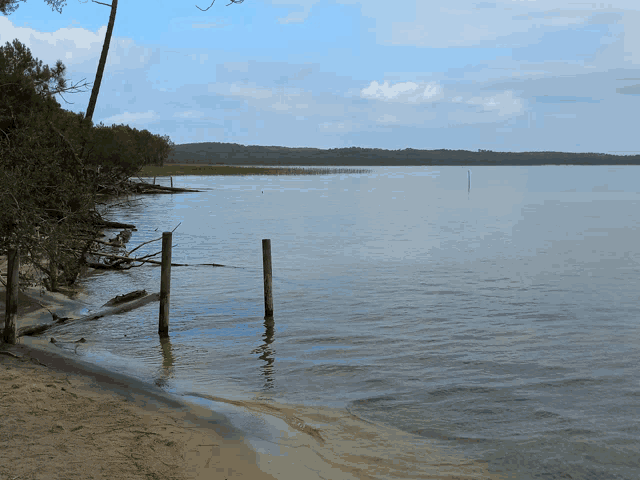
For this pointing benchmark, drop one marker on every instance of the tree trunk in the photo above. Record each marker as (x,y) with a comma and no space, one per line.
(53,273)
(103,61)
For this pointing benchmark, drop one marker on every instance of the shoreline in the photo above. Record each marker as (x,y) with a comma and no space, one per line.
(182,169)
(192,436)
(62,419)
(52,414)
(188,435)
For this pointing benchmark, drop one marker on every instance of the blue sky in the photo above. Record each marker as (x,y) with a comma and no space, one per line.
(511,75)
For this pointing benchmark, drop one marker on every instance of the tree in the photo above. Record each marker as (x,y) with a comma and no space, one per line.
(27,84)
(9,6)
(103,59)
(47,195)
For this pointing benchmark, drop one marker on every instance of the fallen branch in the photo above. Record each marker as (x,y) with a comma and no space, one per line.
(127,297)
(153,297)
(149,188)
(145,243)
(36,330)
(154,262)
(107,224)
(10,354)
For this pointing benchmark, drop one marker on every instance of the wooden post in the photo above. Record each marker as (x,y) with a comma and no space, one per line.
(165,285)
(266,269)
(11,299)
(154,179)
(171,182)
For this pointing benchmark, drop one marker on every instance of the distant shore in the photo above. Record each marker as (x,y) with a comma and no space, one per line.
(216,153)
(181,169)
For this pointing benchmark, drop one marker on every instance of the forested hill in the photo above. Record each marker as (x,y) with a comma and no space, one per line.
(234,154)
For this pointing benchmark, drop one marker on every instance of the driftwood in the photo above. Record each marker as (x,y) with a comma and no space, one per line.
(3,352)
(115,310)
(127,297)
(107,224)
(149,188)
(153,297)
(144,260)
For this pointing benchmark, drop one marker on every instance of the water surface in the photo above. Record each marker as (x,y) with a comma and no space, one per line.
(493,310)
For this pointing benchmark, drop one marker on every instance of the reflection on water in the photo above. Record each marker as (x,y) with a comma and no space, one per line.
(456,320)
(267,353)
(167,370)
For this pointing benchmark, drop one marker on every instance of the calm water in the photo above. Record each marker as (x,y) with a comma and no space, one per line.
(499,315)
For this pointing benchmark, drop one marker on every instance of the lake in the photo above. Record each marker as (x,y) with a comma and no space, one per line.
(493,311)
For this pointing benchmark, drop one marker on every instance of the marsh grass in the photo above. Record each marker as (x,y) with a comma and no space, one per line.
(180,169)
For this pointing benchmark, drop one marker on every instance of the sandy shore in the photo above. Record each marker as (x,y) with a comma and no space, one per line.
(55,423)
(58,425)
(61,417)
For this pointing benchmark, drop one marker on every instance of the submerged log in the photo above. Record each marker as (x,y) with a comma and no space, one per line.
(149,188)
(107,224)
(127,297)
(115,310)
(153,297)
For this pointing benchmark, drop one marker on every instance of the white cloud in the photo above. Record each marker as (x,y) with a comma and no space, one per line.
(131,118)
(78,44)
(405,92)
(79,48)
(511,23)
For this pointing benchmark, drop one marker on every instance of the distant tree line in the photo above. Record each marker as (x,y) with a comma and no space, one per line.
(54,164)
(234,154)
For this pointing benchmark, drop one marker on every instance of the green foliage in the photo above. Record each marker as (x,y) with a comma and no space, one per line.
(9,6)
(27,86)
(126,149)
(53,163)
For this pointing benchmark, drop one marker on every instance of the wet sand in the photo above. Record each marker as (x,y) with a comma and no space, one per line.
(61,417)
(55,424)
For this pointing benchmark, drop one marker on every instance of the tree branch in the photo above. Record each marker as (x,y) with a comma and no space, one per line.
(232,1)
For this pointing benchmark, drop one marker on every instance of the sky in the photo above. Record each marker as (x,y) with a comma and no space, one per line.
(509,75)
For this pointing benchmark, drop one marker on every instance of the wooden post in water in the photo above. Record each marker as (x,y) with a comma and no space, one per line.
(171,182)
(154,179)
(266,269)
(165,285)
(11,300)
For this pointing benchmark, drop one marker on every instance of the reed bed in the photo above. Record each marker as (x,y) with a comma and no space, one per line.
(181,169)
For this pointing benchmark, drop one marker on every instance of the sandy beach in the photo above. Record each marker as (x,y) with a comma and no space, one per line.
(62,417)
(56,425)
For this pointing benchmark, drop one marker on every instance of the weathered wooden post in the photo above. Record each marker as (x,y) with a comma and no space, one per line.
(165,285)
(171,182)
(154,179)
(11,299)
(266,269)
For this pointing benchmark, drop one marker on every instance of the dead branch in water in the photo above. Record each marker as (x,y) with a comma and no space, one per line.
(155,262)
(112,310)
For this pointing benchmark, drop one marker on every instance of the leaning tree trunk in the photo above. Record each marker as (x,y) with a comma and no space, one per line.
(103,61)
